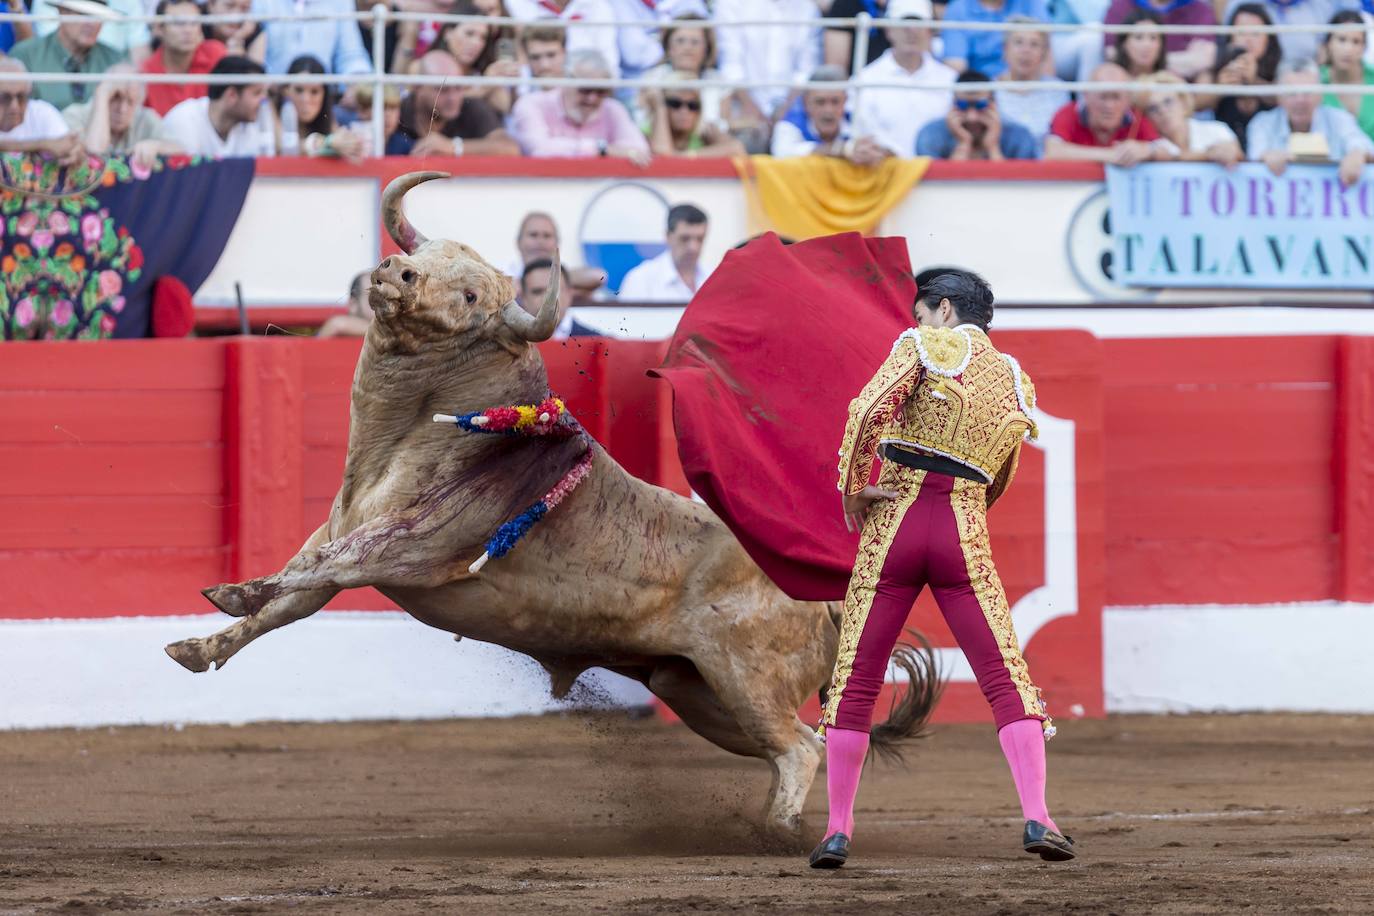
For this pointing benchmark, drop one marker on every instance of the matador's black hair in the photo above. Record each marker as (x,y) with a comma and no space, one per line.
(969,293)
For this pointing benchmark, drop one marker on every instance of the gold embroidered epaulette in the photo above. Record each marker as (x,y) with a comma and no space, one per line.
(942,351)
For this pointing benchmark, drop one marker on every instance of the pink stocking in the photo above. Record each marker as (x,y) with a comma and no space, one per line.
(1023,743)
(845,750)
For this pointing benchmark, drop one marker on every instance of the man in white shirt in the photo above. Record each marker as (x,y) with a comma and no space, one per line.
(895,116)
(227,122)
(676,274)
(819,126)
(29,125)
(766,53)
(533,286)
(575,12)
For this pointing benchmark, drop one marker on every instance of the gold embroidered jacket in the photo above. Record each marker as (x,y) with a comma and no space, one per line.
(942,391)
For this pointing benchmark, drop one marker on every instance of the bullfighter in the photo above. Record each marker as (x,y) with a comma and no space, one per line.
(946,413)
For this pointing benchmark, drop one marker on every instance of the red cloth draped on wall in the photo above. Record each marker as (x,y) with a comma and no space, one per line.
(763,366)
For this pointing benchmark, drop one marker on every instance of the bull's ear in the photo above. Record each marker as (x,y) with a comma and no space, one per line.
(536,328)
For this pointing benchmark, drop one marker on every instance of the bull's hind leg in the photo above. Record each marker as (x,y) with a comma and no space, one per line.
(355,560)
(765,710)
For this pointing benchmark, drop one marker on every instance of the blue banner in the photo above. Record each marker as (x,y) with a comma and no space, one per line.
(1201,225)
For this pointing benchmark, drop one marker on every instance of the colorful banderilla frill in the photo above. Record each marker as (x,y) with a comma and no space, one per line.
(543,419)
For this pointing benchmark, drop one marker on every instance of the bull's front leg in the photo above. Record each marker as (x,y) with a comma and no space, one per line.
(199,654)
(391,550)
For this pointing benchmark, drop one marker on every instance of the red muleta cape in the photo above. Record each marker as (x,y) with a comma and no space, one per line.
(763,366)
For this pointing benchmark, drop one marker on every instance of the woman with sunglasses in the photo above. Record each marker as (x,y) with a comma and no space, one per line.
(1171,111)
(676,126)
(689,46)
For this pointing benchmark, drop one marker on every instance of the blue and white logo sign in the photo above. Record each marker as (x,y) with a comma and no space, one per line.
(622,225)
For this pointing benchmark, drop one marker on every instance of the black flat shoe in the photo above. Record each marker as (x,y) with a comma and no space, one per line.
(832,852)
(1046,843)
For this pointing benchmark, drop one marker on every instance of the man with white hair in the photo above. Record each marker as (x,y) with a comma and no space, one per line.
(1301,127)
(819,127)
(29,125)
(117,122)
(578,121)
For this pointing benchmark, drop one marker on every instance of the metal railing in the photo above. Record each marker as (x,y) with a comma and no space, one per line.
(380,16)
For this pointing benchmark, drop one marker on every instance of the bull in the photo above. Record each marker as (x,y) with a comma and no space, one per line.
(623,575)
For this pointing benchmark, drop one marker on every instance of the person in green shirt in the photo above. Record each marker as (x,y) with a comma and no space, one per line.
(74,48)
(675,125)
(1346,67)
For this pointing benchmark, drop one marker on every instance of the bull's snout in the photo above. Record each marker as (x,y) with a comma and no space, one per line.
(395,271)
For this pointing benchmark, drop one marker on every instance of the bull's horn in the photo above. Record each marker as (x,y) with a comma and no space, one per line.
(535,328)
(393,216)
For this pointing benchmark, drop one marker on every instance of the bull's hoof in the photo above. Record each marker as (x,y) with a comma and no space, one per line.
(189,654)
(230,599)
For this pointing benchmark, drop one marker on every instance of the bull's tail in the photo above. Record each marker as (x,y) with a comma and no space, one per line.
(911,710)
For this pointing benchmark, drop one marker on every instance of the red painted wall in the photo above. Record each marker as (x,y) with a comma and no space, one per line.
(135,473)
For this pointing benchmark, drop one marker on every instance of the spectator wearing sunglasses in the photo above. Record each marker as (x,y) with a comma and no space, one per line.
(73,48)
(578,121)
(29,125)
(676,126)
(974,127)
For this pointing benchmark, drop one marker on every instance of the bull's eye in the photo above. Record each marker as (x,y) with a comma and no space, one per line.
(470,297)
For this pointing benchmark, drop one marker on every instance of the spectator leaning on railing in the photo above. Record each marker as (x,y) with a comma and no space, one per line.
(677,273)
(974,128)
(689,46)
(307,120)
(359,316)
(117,122)
(445,120)
(677,126)
(895,116)
(534,285)
(1103,127)
(230,121)
(391,120)
(818,125)
(1028,57)
(1170,109)
(181,48)
(579,120)
(1301,128)
(29,125)
(1346,66)
(536,239)
(74,47)
(119,33)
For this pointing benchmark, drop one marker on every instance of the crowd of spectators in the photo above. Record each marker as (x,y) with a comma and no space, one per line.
(951,104)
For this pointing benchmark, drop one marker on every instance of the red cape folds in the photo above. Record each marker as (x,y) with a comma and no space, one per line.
(763,366)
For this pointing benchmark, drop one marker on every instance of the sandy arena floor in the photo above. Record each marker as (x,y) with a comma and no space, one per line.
(602,813)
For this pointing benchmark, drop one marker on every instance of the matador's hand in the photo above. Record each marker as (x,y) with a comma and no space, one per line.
(856,507)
